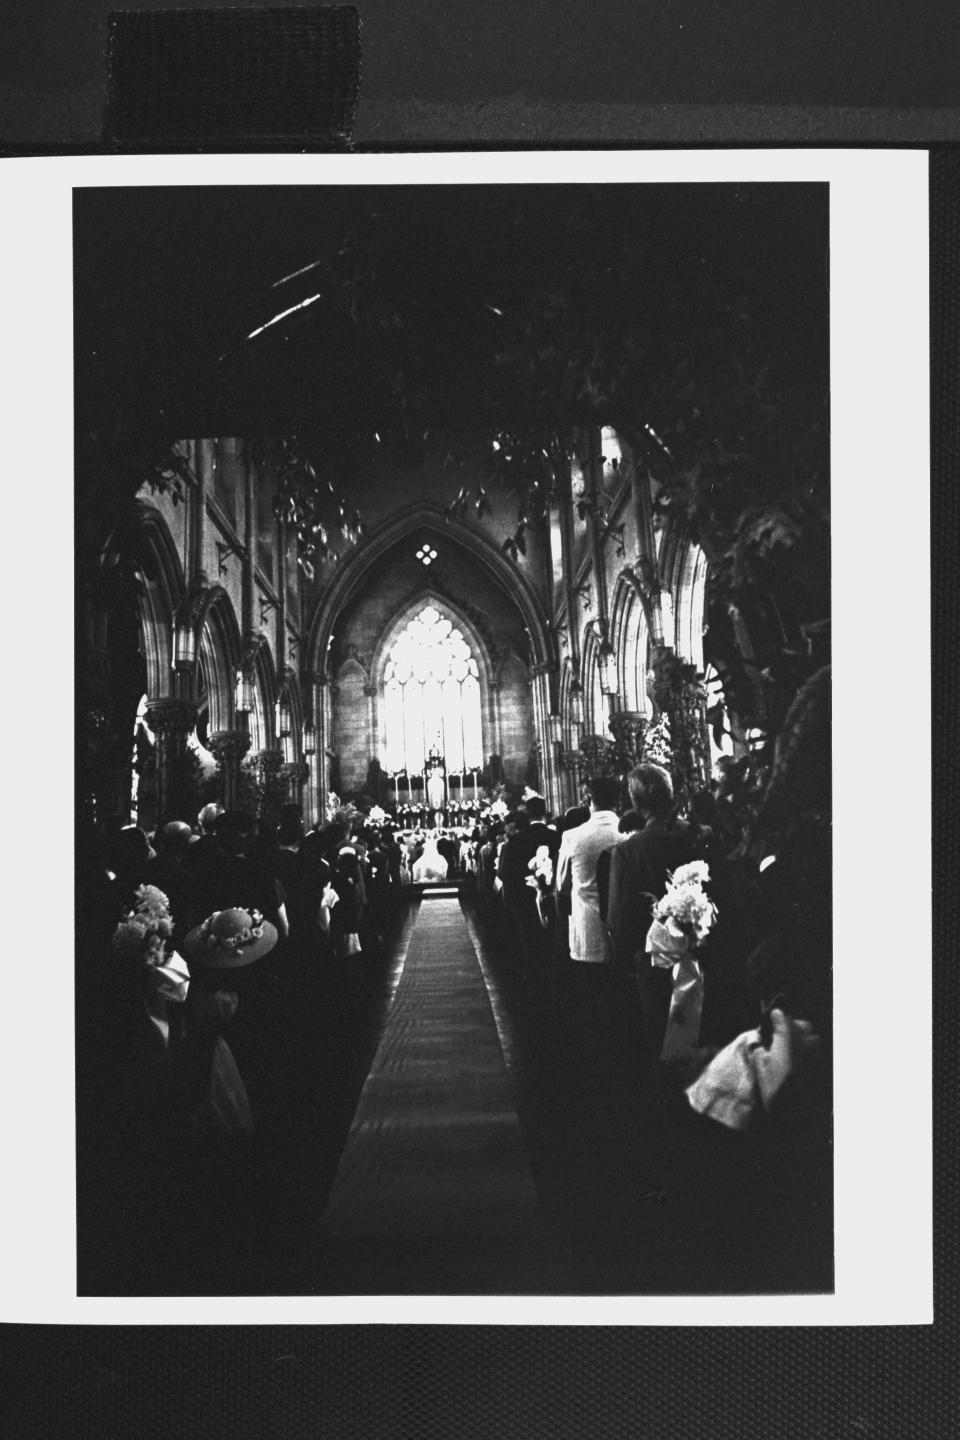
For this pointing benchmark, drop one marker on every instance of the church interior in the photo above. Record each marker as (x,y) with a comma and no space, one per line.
(407,516)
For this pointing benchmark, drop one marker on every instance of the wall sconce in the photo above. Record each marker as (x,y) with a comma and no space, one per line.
(184,644)
(283,718)
(556,729)
(607,662)
(576,703)
(243,702)
(309,738)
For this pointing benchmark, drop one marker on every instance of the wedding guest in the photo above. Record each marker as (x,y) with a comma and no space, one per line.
(168,872)
(638,878)
(130,852)
(580,848)
(346,917)
(247,879)
(205,860)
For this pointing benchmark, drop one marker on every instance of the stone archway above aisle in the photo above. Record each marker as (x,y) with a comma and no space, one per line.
(163,593)
(416,522)
(220,651)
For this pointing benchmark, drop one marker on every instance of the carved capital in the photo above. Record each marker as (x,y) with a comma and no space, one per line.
(229,746)
(295,768)
(269,762)
(629,728)
(681,695)
(171,717)
(599,755)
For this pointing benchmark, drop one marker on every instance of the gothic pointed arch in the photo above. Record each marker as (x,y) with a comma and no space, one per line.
(263,716)
(163,592)
(628,626)
(219,650)
(595,708)
(290,705)
(427,515)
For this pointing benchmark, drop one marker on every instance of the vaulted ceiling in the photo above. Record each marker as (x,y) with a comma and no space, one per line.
(233,311)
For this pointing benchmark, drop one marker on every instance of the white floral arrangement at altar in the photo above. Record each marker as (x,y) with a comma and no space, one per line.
(682,919)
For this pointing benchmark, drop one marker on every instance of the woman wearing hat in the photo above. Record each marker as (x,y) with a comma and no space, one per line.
(225,944)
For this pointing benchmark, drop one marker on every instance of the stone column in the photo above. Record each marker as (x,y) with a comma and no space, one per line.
(572,762)
(680,693)
(545,744)
(229,747)
(295,773)
(171,722)
(198,512)
(373,750)
(325,738)
(269,786)
(496,734)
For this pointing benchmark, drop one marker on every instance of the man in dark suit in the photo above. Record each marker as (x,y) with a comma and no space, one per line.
(539,832)
(639,866)
(168,872)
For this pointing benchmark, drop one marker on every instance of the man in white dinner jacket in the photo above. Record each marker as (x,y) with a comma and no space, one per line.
(580,849)
(585,1017)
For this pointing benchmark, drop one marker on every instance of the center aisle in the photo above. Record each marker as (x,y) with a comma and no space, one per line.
(435,1149)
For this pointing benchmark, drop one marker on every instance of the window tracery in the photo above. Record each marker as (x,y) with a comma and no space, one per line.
(432,696)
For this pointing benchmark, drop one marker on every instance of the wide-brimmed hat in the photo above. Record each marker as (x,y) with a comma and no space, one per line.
(229,939)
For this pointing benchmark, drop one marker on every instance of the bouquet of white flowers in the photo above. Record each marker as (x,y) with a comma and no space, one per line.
(542,867)
(145,934)
(145,930)
(541,880)
(681,920)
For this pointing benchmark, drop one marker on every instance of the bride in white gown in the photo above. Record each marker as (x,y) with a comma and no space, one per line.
(431,865)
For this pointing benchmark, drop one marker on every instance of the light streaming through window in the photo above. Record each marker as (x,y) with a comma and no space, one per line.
(432,697)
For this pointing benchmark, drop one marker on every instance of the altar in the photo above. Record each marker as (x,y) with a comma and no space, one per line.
(433,798)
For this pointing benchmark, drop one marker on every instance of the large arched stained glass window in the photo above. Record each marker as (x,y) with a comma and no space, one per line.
(432,696)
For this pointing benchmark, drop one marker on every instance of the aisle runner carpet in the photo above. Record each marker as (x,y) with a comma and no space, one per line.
(435,1147)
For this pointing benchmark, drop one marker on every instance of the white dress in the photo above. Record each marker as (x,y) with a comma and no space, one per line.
(430,866)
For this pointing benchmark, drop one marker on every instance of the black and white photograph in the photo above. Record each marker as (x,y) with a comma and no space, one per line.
(476,803)
(453,739)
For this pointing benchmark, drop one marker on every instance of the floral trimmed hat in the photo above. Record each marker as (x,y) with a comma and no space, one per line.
(229,939)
